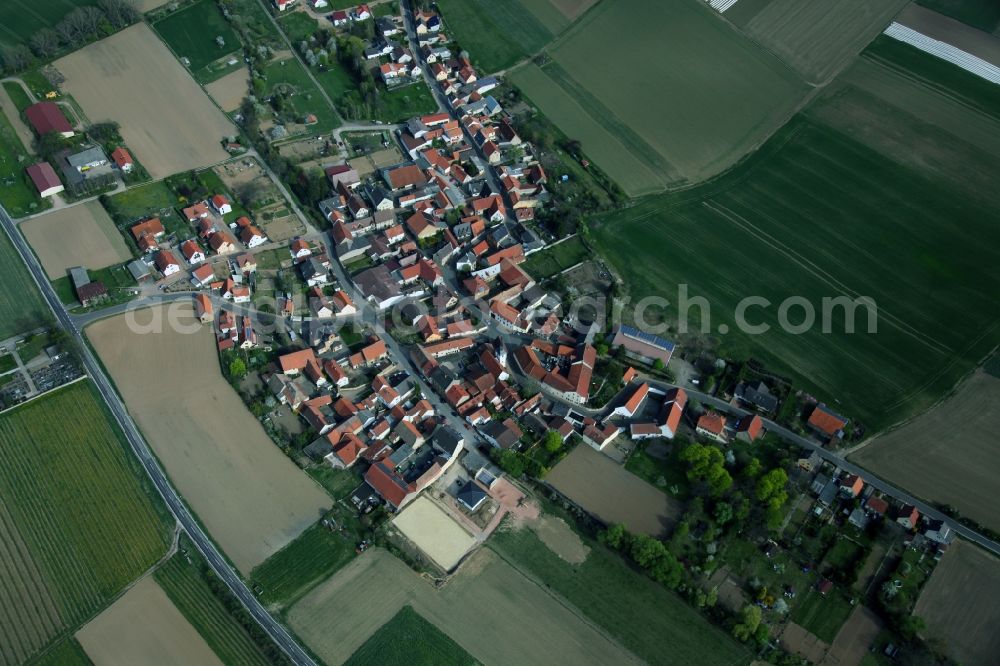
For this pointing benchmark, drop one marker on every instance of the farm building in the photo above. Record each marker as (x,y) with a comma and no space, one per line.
(45,179)
(46,117)
(827,422)
(645,346)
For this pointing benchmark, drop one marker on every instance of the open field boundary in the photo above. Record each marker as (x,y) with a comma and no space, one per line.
(945,51)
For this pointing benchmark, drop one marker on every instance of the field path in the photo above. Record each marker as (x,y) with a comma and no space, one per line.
(14,116)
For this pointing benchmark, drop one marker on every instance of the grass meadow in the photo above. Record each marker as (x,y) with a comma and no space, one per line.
(20,19)
(68,652)
(21,304)
(291,572)
(557,258)
(188,591)
(639,613)
(717,95)
(289,76)
(191,33)
(879,189)
(409,639)
(79,520)
(497,34)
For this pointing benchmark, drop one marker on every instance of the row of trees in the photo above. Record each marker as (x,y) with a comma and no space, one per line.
(82,25)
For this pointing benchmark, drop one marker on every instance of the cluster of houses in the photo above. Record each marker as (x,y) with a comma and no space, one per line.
(213,237)
(842,493)
(88,163)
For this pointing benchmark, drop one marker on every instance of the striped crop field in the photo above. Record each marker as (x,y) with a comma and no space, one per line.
(189,592)
(885,188)
(78,521)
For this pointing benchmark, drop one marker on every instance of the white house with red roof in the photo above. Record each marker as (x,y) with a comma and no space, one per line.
(221,204)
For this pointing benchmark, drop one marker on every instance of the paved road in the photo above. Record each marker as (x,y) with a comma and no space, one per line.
(149,463)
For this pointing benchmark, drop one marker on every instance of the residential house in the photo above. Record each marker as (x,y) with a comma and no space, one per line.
(202,276)
(851,485)
(908,517)
(123,159)
(827,422)
(712,425)
(192,252)
(203,308)
(749,428)
(166,263)
(221,204)
(633,402)
(147,234)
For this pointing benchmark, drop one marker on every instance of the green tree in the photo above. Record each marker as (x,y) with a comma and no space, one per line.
(237,368)
(753,468)
(659,365)
(553,441)
(771,488)
(750,620)
(615,536)
(723,513)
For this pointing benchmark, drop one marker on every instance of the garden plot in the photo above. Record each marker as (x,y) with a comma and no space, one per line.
(81,235)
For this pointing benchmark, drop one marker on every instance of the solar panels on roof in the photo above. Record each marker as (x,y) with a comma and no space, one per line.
(648,338)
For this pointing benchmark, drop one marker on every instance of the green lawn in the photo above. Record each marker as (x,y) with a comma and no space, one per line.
(7,363)
(639,613)
(79,517)
(667,474)
(17,193)
(191,33)
(33,346)
(557,258)
(396,105)
(818,214)
(20,19)
(21,304)
(298,26)
(117,279)
(17,95)
(823,616)
(139,202)
(337,482)
(291,572)
(403,103)
(981,14)
(497,34)
(301,95)
(409,640)
(189,592)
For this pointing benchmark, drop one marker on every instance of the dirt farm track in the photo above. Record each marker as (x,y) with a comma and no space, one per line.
(249,495)
(166,119)
(144,628)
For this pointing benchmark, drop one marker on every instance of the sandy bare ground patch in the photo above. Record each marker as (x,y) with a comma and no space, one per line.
(434,532)
(144,627)
(229,91)
(798,641)
(82,235)
(560,539)
(959,604)
(948,30)
(604,488)
(249,495)
(854,638)
(166,119)
(950,453)
(490,609)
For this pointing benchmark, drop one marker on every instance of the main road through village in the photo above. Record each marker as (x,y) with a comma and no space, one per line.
(173,499)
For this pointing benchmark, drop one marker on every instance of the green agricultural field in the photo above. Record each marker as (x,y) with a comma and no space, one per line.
(717,94)
(20,19)
(21,304)
(496,34)
(636,611)
(409,639)
(66,653)
(301,96)
(17,193)
(982,14)
(78,518)
(189,592)
(291,572)
(881,189)
(546,263)
(822,616)
(818,39)
(192,32)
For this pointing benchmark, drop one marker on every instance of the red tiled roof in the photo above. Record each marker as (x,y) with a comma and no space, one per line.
(121,157)
(712,422)
(640,393)
(296,360)
(387,483)
(47,117)
(826,421)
